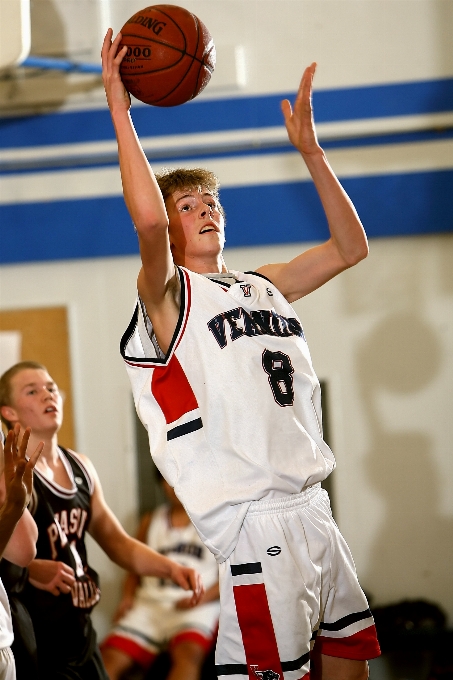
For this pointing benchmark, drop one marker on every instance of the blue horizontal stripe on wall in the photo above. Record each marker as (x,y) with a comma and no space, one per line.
(389,205)
(374,101)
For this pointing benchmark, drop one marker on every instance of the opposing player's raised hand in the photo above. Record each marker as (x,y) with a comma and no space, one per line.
(299,119)
(188,579)
(18,470)
(117,95)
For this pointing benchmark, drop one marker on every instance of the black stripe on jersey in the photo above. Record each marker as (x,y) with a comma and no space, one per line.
(232,669)
(129,332)
(186,428)
(346,620)
(250,568)
(242,669)
(296,664)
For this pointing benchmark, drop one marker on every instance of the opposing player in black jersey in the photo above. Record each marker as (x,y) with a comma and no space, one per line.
(62,588)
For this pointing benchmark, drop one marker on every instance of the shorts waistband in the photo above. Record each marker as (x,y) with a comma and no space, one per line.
(296,500)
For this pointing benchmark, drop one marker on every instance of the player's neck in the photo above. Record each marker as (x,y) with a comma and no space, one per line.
(204,265)
(50,456)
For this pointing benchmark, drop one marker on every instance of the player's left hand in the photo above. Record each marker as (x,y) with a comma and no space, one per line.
(299,119)
(188,579)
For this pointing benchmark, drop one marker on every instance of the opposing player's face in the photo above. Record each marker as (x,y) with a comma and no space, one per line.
(35,401)
(197,227)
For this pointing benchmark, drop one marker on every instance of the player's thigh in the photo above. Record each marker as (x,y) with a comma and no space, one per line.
(115,660)
(325,667)
(187,652)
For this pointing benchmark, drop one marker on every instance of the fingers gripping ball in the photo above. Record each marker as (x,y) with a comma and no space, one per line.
(170,55)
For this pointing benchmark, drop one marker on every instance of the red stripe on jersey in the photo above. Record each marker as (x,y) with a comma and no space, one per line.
(172,390)
(361,646)
(258,636)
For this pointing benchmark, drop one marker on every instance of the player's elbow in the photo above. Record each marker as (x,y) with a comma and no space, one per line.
(23,556)
(359,254)
(355,254)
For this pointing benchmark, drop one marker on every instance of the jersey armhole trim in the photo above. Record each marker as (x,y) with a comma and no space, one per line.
(76,457)
(261,276)
(184,310)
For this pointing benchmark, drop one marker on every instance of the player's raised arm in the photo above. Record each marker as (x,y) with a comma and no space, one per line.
(141,192)
(347,244)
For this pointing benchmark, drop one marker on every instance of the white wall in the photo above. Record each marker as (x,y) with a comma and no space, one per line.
(381,336)
(355,42)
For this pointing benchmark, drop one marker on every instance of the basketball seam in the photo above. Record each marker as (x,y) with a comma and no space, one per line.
(188,69)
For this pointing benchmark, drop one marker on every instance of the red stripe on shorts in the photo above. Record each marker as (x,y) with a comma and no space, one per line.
(258,635)
(361,646)
(192,636)
(131,648)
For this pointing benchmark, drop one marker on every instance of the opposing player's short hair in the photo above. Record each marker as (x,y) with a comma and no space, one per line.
(178,179)
(5,383)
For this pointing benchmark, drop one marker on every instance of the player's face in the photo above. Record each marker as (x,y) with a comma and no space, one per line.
(197,227)
(35,401)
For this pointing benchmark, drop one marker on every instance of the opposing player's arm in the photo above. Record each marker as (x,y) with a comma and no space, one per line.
(157,279)
(130,553)
(132,580)
(347,244)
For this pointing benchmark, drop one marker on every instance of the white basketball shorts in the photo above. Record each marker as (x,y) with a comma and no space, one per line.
(151,627)
(290,583)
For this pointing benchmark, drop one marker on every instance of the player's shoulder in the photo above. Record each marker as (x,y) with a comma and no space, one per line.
(85,463)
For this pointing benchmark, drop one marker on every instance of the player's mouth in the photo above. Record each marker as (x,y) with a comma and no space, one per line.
(208,228)
(51,409)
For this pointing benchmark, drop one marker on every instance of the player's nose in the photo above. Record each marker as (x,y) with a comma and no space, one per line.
(205,210)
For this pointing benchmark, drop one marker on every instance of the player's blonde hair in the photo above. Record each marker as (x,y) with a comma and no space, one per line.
(178,179)
(5,383)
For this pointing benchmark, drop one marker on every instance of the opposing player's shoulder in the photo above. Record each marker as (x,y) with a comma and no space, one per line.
(87,465)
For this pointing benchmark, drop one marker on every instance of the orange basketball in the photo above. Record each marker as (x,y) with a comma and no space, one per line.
(170,55)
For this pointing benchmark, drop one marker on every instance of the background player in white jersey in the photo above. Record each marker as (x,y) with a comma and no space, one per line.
(155,615)
(67,501)
(18,532)
(246,467)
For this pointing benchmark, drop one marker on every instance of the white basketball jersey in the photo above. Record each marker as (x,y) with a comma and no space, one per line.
(233,410)
(181,544)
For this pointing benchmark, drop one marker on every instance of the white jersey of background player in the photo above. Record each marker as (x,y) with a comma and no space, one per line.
(187,229)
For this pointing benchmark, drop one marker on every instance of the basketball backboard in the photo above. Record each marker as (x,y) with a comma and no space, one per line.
(14,32)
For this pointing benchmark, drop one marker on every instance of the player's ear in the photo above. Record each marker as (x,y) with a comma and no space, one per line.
(9,414)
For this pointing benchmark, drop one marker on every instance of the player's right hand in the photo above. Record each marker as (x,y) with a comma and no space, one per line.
(55,577)
(188,579)
(117,95)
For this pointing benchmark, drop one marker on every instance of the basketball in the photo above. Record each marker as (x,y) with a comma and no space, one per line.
(170,55)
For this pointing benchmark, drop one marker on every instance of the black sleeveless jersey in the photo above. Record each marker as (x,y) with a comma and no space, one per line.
(62,516)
